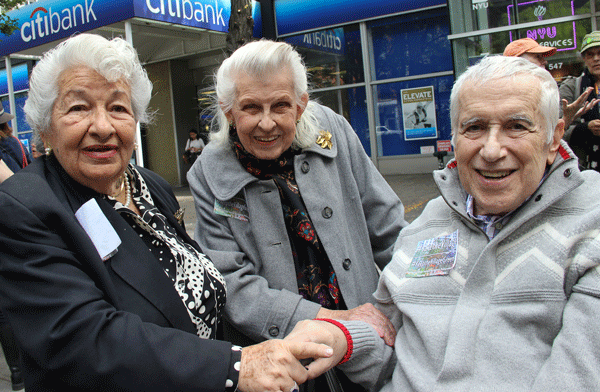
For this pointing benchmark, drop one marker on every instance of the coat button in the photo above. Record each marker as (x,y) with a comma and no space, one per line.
(346,264)
(274,331)
(567,173)
(327,212)
(305,167)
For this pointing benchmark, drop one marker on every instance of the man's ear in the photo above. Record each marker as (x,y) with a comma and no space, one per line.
(559,131)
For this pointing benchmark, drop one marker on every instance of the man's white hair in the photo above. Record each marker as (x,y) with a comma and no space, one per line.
(491,70)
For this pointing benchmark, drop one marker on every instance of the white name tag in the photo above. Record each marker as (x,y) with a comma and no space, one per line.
(98,228)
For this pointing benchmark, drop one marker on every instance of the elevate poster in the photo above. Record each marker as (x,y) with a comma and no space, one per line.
(418,111)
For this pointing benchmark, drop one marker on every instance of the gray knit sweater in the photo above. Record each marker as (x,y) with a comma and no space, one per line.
(520,312)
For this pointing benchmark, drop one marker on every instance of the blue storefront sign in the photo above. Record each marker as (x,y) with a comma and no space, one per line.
(49,20)
(294,16)
(20,77)
(206,14)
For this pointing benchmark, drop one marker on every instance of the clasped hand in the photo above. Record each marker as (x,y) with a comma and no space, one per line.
(274,365)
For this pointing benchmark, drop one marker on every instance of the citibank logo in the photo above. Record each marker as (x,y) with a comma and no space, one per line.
(45,22)
(188,10)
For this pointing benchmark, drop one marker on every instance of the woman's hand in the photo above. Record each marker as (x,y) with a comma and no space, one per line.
(317,331)
(367,313)
(274,365)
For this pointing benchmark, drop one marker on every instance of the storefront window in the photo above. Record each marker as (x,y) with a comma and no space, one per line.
(333,57)
(487,14)
(566,37)
(412,114)
(350,103)
(409,45)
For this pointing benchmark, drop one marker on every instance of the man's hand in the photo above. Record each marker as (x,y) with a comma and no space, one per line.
(577,108)
(367,313)
(320,332)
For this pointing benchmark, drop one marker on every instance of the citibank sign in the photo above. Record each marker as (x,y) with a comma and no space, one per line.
(48,20)
(44,22)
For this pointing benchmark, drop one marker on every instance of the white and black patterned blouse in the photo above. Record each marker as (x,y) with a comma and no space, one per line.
(199,284)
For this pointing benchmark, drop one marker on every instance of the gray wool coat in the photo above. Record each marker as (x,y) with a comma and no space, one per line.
(241,228)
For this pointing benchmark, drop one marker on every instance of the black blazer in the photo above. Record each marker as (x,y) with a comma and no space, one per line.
(84,324)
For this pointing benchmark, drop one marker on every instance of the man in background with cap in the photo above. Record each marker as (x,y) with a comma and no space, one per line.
(529,50)
(583,134)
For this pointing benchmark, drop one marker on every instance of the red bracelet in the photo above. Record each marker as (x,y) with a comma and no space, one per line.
(349,341)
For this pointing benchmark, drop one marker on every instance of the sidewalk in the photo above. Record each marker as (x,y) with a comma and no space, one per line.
(415,190)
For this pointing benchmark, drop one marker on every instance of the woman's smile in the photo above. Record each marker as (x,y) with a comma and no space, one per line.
(100,152)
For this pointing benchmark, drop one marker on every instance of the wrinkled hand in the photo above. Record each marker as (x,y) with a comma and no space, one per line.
(367,313)
(320,332)
(594,127)
(577,108)
(274,365)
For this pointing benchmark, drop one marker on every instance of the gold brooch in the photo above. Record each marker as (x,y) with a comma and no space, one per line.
(179,215)
(324,140)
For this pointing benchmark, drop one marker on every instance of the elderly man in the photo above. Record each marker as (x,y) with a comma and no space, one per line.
(496,286)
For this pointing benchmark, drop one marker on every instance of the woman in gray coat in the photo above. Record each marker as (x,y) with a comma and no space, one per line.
(290,208)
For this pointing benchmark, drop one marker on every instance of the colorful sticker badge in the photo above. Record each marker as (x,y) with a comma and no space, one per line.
(234,208)
(435,256)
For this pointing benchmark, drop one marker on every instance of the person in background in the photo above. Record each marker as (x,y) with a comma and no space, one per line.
(193,147)
(12,151)
(5,171)
(98,277)
(583,135)
(37,149)
(529,49)
(12,159)
(496,286)
(290,208)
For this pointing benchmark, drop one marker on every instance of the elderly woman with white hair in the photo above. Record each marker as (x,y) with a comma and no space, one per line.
(290,208)
(98,278)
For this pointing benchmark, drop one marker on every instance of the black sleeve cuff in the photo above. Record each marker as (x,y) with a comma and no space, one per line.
(234,369)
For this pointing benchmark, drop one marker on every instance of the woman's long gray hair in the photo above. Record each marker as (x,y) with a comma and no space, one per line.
(261,59)
(114,59)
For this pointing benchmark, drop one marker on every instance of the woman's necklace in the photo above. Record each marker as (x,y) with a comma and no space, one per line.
(127,189)
(125,184)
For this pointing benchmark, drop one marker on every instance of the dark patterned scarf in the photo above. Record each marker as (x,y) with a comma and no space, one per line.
(317,281)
